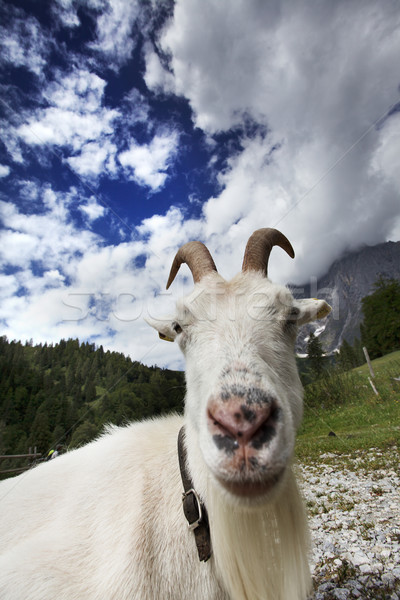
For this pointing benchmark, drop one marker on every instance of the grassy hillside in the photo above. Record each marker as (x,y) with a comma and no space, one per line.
(381,364)
(64,394)
(345,404)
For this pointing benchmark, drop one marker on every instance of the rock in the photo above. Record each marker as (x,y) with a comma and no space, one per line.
(359,559)
(356,539)
(341,594)
(326,587)
(337,562)
(365,568)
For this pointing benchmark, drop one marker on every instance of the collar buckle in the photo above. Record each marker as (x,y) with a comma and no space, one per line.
(194,506)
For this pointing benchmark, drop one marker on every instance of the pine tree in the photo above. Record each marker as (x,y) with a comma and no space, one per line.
(380,330)
(315,356)
(347,357)
(85,433)
(40,434)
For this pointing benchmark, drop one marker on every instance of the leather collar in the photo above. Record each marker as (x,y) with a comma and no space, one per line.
(193,508)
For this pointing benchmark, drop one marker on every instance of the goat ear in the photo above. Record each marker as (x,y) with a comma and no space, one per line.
(311,309)
(164,327)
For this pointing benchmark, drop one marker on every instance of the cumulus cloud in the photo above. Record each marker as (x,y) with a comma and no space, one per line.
(256,62)
(65,12)
(18,248)
(135,108)
(94,159)
(115,35)
(79,91)
(148,164)
(4,171)
(49,238)
(385,160)
(67,282)
(156,76)
(75,114)
(77,121)
(319,77)
(8,287)
(22,41)
(92,210)
(117,24)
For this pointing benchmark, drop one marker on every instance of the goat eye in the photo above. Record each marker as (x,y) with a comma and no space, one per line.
(176,327)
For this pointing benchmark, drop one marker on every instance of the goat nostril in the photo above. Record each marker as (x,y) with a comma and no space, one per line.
(263,435)
(220,426)
(231,425)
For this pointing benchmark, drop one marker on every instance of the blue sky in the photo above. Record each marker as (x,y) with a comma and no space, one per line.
(129,128)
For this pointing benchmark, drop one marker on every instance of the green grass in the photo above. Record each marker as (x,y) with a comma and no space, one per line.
(346,405)
(381,363)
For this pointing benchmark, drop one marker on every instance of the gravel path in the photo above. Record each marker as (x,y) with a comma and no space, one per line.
(354,512)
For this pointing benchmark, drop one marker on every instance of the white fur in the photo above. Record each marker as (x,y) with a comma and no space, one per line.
(263,553)
(105,522)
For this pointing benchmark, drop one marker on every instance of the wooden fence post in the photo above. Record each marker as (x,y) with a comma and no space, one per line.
(371,371)
(368,362)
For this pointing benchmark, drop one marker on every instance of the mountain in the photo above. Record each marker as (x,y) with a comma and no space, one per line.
(348,280)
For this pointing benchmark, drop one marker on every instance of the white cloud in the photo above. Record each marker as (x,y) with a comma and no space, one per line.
(4,170)
(23,43)
(49,238)
(157,78)
(148,164)
(115,30)
(86,288)
(8,286)
(65,12)
(77,121)
(94,159)
(92,210)
(17,248)
(75,115)
(135,108)
(385,160)
(278,60)
(53,277)
(316,76)
(118,24)
(79,91)
(97,295)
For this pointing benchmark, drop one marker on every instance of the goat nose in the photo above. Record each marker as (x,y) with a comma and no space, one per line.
(242,423)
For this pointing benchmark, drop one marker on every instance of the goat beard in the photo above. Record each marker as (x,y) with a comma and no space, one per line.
(262,554)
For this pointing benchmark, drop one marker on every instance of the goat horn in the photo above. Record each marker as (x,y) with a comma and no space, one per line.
(259,248)
(198,259)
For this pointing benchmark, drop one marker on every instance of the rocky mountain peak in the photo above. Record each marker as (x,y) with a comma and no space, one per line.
(347,281)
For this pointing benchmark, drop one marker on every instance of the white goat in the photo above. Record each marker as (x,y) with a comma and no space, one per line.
(105,522)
